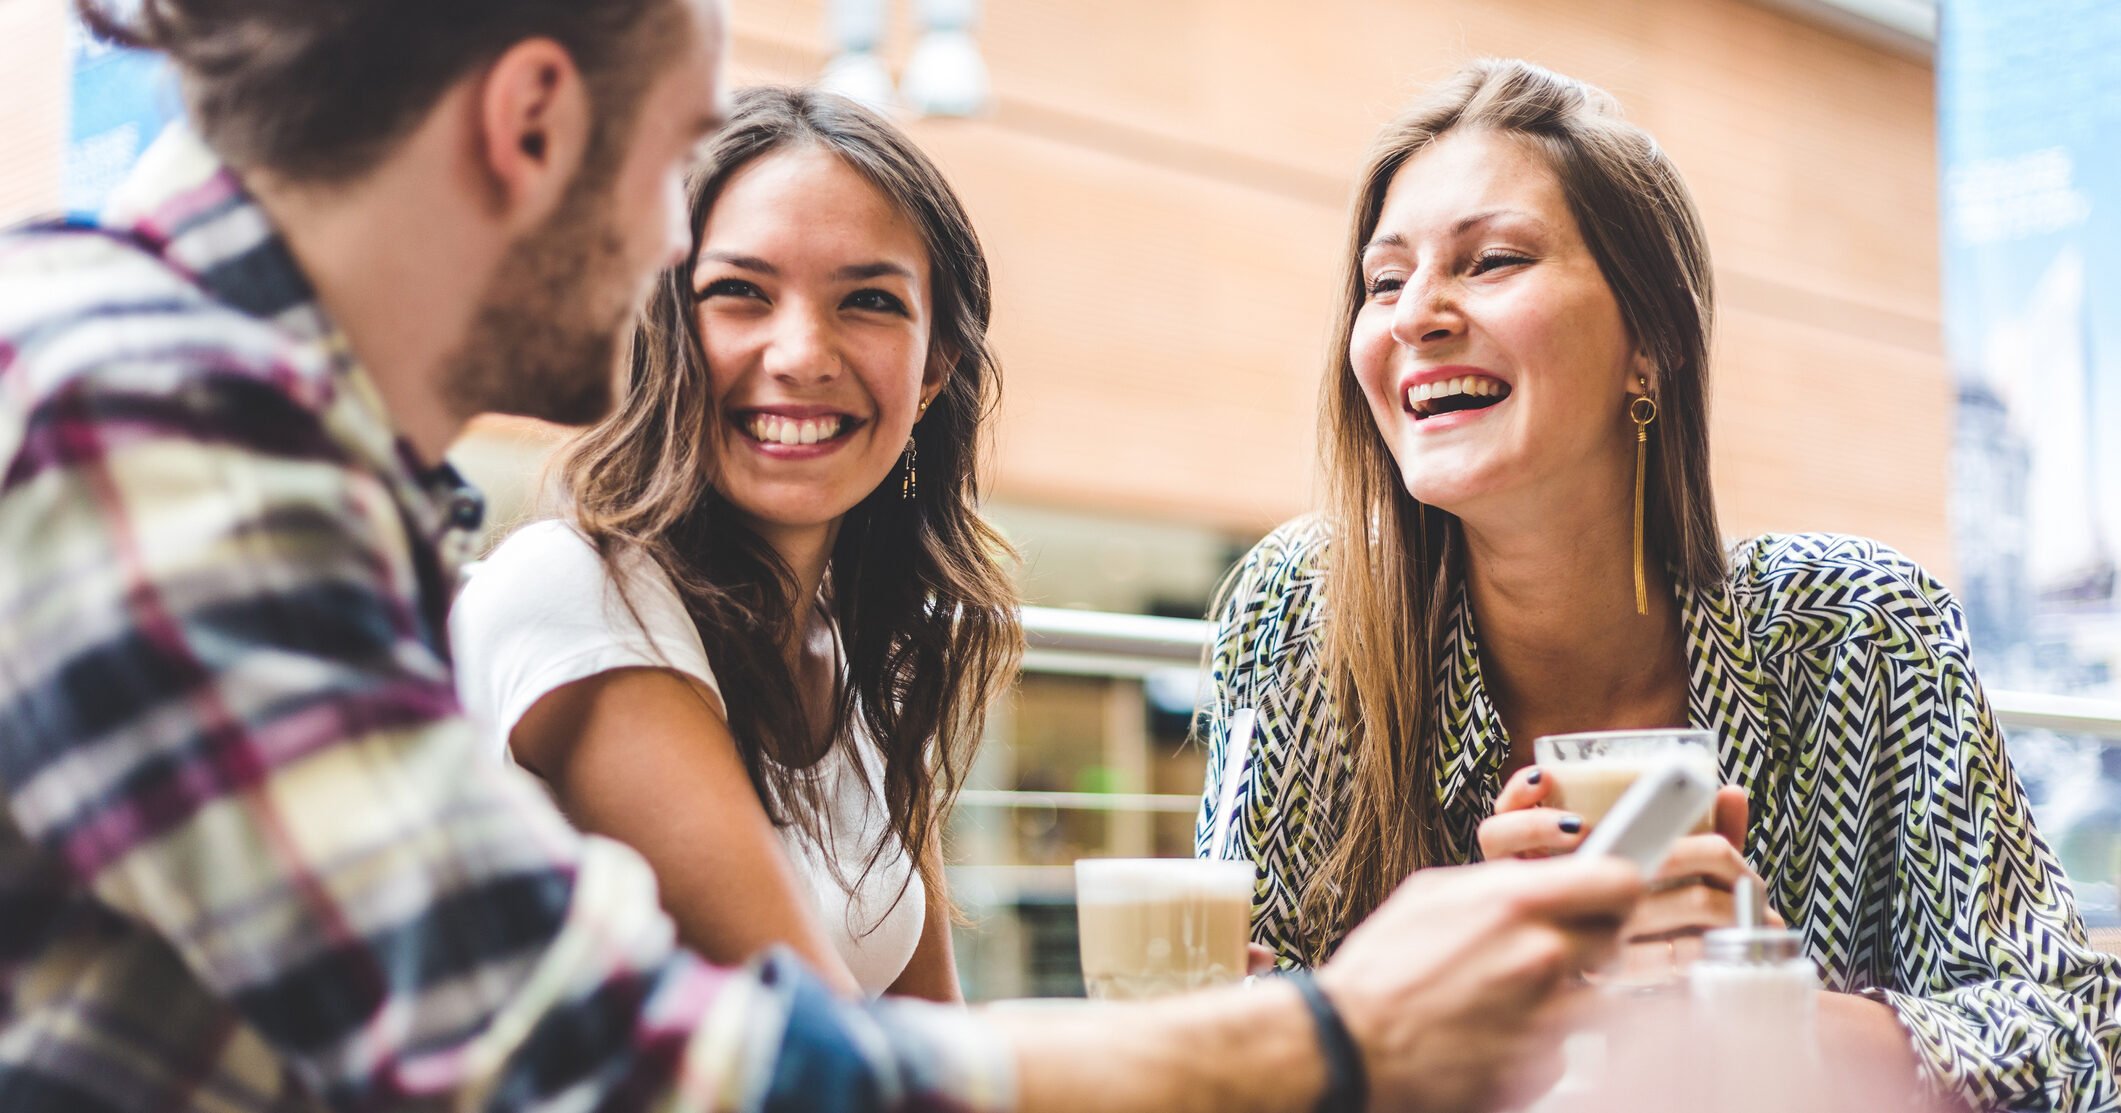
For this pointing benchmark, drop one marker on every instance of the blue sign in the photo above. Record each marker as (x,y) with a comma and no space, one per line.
(2030,96)
(121,100)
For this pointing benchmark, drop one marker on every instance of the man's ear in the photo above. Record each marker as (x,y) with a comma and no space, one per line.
(534,125)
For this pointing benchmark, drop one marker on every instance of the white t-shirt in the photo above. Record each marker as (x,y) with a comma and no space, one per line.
(542,612)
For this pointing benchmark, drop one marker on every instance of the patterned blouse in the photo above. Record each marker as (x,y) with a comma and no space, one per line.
(1886,819)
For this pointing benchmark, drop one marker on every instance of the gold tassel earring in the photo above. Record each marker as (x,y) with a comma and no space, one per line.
(1642,410)
(911,484)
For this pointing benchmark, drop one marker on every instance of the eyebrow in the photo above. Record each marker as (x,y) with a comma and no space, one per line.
(1389,239)
(862,272)
(1464,224)
(750,263)
(1459,227)
(853,272)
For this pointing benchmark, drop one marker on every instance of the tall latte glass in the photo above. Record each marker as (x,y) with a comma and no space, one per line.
(1157,926)
(1587,773)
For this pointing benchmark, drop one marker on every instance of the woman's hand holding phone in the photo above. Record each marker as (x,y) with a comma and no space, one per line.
(1690,894)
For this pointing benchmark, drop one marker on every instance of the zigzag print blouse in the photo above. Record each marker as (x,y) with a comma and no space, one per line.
(1886,819)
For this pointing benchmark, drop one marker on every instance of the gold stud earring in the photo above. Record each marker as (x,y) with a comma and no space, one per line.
(1642,410)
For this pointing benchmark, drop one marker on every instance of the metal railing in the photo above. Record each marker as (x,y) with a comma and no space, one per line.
(1131,645)
(1125,646)
(1099,643)
(1080,801)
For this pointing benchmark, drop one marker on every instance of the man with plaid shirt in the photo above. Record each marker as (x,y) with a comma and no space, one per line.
(251,857)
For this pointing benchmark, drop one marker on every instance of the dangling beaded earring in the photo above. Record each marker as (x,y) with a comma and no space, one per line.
(910,485)
(1642,410)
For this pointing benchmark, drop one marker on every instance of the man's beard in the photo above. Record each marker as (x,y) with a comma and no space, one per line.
(545,340)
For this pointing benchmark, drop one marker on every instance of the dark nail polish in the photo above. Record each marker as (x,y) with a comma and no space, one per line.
(1571,824)
(1534,778)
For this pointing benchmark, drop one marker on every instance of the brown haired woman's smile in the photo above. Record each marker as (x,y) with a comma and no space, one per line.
(795,432)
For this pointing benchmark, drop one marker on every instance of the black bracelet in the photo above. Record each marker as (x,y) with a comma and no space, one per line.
(1347,1083)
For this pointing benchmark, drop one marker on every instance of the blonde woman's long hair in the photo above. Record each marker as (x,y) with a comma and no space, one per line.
(1395,566)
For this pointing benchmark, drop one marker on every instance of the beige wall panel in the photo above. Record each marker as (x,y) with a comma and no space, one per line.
(1800,139)
(1813,159)
(1162,189)
(1161,335)
(33,113)
(1816,429)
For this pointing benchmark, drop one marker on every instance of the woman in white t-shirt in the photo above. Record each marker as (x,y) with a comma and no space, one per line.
(759,641)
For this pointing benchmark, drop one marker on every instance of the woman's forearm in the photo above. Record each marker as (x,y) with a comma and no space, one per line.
(638,756)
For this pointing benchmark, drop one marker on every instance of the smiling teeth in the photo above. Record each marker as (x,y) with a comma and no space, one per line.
(768,429)
(1473,385)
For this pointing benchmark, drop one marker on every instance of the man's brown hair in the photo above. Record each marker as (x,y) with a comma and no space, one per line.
(321,90)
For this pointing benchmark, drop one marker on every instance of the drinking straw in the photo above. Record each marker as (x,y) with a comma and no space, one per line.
(1236,751)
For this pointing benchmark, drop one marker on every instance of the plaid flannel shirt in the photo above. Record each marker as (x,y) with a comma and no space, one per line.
(251,857)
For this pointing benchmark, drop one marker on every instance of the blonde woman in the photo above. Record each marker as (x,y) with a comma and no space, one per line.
(1522,540)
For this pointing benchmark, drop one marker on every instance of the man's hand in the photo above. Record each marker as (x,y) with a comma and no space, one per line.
(1454,988)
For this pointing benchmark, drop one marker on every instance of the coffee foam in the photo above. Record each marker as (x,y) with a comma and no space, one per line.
(1131,880)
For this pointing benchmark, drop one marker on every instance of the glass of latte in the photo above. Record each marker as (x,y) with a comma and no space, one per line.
(1587,773)
(1151,927)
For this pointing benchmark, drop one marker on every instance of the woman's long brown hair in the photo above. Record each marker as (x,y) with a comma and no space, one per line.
(1396,566)
(921,588)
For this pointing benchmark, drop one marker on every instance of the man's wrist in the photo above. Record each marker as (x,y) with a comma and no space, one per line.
(1347,1088)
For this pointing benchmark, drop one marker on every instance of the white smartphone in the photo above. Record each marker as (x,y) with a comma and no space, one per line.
(1658,808)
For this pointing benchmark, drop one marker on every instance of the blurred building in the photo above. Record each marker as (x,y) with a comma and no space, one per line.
(1162,188)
